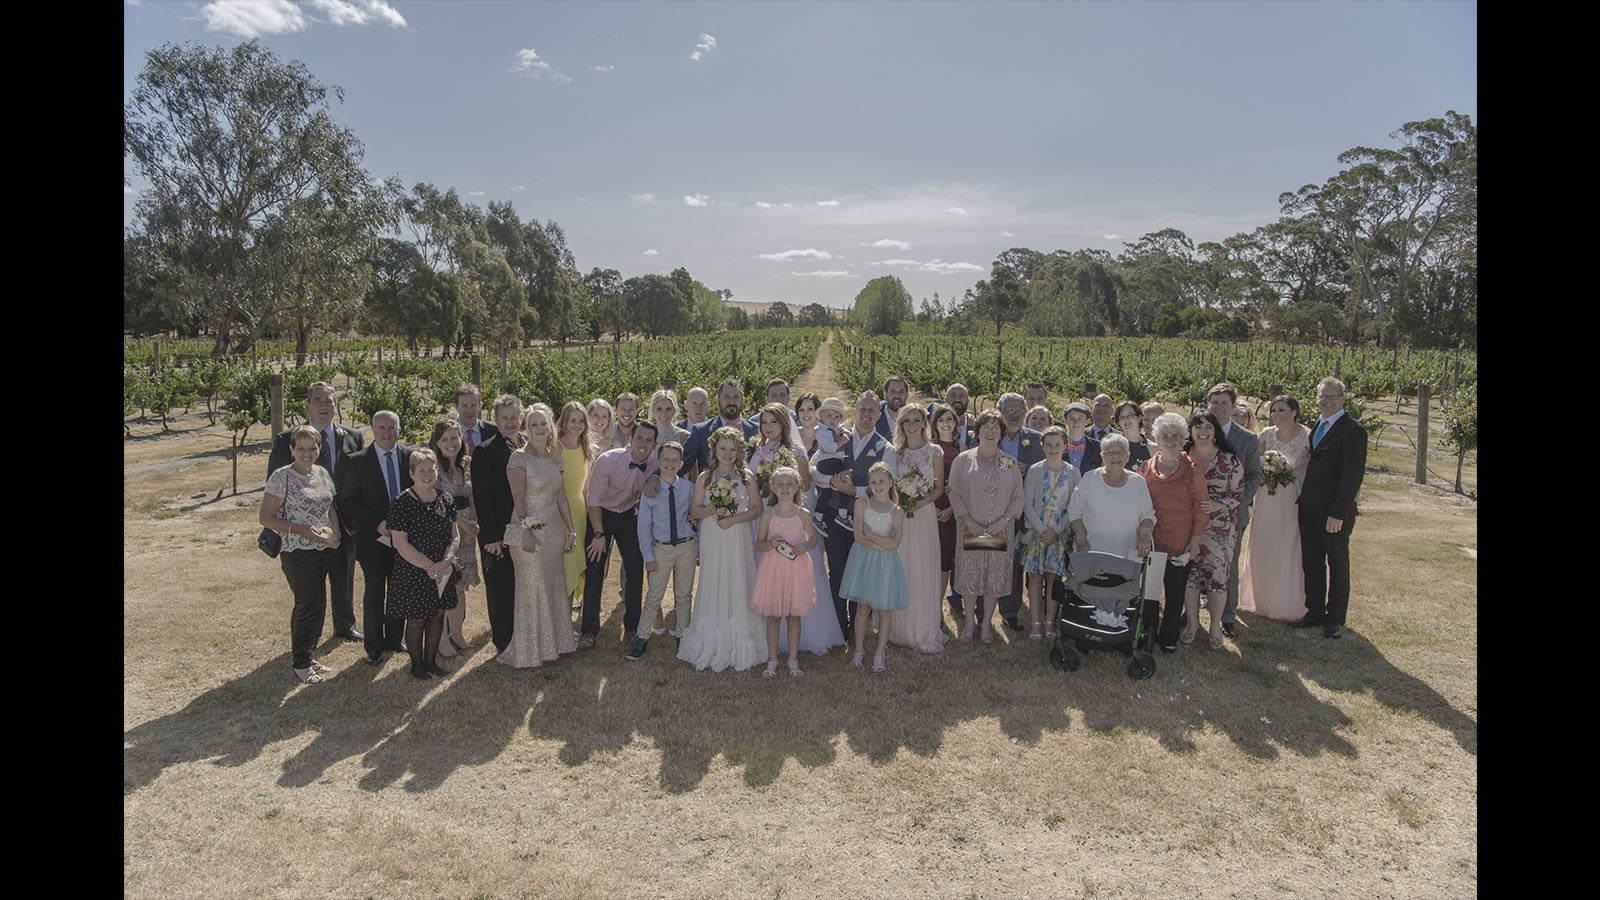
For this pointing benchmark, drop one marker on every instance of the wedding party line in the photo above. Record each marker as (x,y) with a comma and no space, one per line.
(805,525)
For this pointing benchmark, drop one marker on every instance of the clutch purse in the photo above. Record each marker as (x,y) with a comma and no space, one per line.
(270,542)
(984,541)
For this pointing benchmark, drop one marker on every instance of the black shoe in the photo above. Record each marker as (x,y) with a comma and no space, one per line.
(1169,648)
(1306,621)
(637,650)
(437,669)
(955,606)
(1332,630)
(420,674)
(1013,624)
(1227,629)
(374,658)
(352,635)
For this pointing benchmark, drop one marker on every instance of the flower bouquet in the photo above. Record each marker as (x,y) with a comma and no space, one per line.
(911,488)
(529,524)
(769,460)
(1277,472)
(721,497)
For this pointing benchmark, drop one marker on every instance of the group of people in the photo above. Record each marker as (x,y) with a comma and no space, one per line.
(805,526)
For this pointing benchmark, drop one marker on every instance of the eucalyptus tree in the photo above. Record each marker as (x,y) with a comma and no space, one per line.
(242,159)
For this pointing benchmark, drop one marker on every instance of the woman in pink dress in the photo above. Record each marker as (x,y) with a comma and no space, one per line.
(918,625)
(1272,582)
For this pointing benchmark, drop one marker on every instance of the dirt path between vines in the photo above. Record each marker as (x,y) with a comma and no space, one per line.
(820,378)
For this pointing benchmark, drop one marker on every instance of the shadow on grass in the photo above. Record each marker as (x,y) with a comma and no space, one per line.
(595,704)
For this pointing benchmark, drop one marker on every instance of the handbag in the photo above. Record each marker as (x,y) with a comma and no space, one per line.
(985,541)
(270,542)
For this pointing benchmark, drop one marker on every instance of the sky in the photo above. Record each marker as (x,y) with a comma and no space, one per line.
(795,151)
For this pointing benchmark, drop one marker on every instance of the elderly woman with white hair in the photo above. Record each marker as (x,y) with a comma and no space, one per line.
(1178,492)
(1110,510)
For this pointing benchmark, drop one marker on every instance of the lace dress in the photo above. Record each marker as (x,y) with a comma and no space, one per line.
(919,624)
(1272,582)
(542,624)
(724,632)
(460,491)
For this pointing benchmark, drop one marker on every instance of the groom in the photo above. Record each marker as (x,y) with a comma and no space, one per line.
(1328,510)
(865,447)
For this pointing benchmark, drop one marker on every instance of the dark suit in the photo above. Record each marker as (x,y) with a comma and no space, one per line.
(491,494)
(1246,446)
(887,421)
(1030,450)
(363,498)
(341,561)
(481,432)
(697,450)
(1091,453)
(839,540)
(1338,463)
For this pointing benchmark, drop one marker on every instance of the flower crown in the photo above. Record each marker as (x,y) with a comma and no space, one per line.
(730,433)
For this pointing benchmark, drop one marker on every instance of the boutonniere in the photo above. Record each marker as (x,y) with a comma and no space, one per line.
(751,441)
(1027,443)
(871,453)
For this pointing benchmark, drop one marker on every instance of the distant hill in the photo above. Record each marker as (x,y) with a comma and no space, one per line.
(757,307)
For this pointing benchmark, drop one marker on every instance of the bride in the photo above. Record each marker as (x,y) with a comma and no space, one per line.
(724,632)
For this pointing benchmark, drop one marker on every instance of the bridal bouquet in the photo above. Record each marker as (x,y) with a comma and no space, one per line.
(1277,472)
(721,496)
(769,460)
(530,525)
(911,488)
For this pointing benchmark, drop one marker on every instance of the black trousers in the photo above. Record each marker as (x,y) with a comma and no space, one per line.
(1326,559)
(307,574)
(836,547)
(499,595)
(341,581)
(1174,583)
(382,631)
(623,529)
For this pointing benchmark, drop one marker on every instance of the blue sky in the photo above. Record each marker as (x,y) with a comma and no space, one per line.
(794,151)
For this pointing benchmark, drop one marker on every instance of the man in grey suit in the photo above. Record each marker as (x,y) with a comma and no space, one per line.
(338,443)
(1022,444)
(1220,401)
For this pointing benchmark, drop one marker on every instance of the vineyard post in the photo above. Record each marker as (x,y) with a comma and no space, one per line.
(155,363)
(1274,390)
(1337,365)
(952,379)
(1422,434)
(758,356)
(380,358)
(477,369)
(670,384)
(505,367)
(1224,368)
(1090,389)
(1119,371)
(277,402)
(999,351)
(735,363)
(616,357)
(872,373)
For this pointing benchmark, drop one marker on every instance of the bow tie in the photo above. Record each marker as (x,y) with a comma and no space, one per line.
(1078,445)
(634,465)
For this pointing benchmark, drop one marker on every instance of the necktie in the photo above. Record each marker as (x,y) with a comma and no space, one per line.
(1322,429)
(471,444)
(325,455)
(394,479)
(672,513)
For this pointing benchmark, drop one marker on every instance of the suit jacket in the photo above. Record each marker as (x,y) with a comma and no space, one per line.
(349,442)
(1247,447)
(1030,450)
(697,448)
(363,494)
(484,429)
(884,427)
(491,492)
(1338,463)
(1091,454)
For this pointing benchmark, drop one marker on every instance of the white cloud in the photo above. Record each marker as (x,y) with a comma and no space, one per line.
(253,19)
(528,63)
(359,12)
(896,262)
(697,199)
(520,187)
(651,253)
(889,242)
(1006,234)
(809,253)
(831,273)
(1112,237)
(944,268)
(706,45)
(606,68)
(762,204)
(128,190)
(957,210)
(642,198)
(827,203)
(474,193)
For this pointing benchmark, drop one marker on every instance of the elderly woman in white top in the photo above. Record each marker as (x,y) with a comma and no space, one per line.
(1110,509)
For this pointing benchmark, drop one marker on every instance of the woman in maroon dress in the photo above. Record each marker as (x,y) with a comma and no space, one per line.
(944,432)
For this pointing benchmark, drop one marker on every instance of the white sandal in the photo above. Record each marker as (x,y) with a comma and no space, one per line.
(771,670)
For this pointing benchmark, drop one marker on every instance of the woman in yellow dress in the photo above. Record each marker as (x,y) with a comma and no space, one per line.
(576,454)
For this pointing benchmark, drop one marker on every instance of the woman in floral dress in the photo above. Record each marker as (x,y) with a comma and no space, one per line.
(1213,559)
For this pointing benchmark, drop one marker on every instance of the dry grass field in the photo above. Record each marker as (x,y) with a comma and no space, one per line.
(1285,765)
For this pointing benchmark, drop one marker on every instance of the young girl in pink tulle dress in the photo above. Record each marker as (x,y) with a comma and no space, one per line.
(786,585)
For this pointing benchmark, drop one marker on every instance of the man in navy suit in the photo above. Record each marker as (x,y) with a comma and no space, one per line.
(697,450)
(865,447)
(1328,510)
(338,442)
(1022,444)
(369,481)
(895,392)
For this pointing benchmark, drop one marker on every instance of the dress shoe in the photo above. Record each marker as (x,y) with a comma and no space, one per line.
(1332,630)
(1306,621)
(586,642)
(353,635)
(1228,629)
(437,669)
(1013,624)
(638,648)
(374,658)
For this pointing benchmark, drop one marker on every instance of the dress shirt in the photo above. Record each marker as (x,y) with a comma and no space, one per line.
(1075,454)
(655,520)
(1011,446)
(613,485)
(1329,420)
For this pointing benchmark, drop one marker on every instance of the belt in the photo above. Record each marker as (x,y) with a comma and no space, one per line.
(676,542)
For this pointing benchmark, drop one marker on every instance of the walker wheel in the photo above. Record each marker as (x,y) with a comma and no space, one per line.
(1064,656)
(1141,665)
